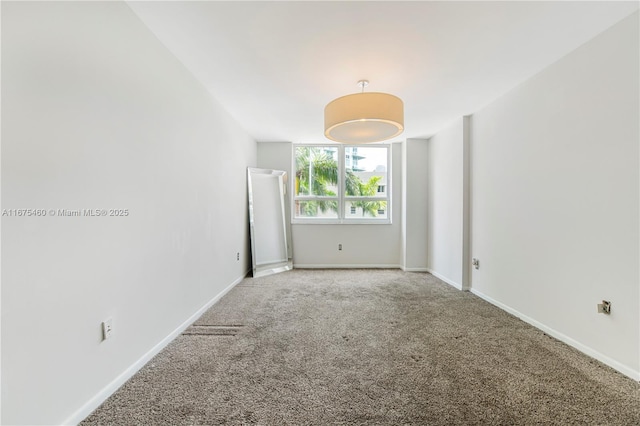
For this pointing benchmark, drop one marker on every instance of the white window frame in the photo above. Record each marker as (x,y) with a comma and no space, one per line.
(342,218)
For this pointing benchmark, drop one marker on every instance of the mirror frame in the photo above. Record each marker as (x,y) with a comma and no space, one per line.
(268,268)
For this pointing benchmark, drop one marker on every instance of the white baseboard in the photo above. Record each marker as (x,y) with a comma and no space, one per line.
(345,266)
(445,279)
(115,384)
(627,371)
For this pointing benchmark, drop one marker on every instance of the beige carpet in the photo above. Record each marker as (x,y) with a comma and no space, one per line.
(367,347)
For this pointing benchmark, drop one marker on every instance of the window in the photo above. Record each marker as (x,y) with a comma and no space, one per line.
(341,184)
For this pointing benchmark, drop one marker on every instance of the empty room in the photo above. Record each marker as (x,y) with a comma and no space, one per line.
(320,212)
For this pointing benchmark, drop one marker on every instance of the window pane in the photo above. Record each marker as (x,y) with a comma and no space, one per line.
(316,171)
(325,209)
(340,184)
(366,171)
(369,209)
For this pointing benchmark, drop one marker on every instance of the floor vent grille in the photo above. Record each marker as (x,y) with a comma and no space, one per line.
(212,330)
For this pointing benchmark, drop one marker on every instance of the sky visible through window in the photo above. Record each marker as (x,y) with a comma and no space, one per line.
(374,157)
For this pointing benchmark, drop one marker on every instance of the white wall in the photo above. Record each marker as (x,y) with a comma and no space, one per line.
(555,195)
(275,155)
(448,204)
(445,214)
(97,114)
(362,245)
(415,205)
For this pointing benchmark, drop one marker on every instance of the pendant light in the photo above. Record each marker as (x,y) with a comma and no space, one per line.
(364,117)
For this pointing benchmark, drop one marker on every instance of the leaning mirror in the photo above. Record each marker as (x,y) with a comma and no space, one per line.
(270,249)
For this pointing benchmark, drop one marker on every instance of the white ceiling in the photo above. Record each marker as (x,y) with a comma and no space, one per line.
(275,65)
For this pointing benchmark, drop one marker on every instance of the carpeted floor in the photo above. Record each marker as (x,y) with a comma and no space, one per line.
(367,347)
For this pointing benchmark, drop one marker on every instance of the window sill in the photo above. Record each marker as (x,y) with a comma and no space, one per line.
(341,222)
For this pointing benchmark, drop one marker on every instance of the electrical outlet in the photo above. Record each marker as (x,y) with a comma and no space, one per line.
(107,328)
(604,307)
(339,246)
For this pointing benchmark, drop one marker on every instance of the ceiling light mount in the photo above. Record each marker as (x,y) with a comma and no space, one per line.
(364,117)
